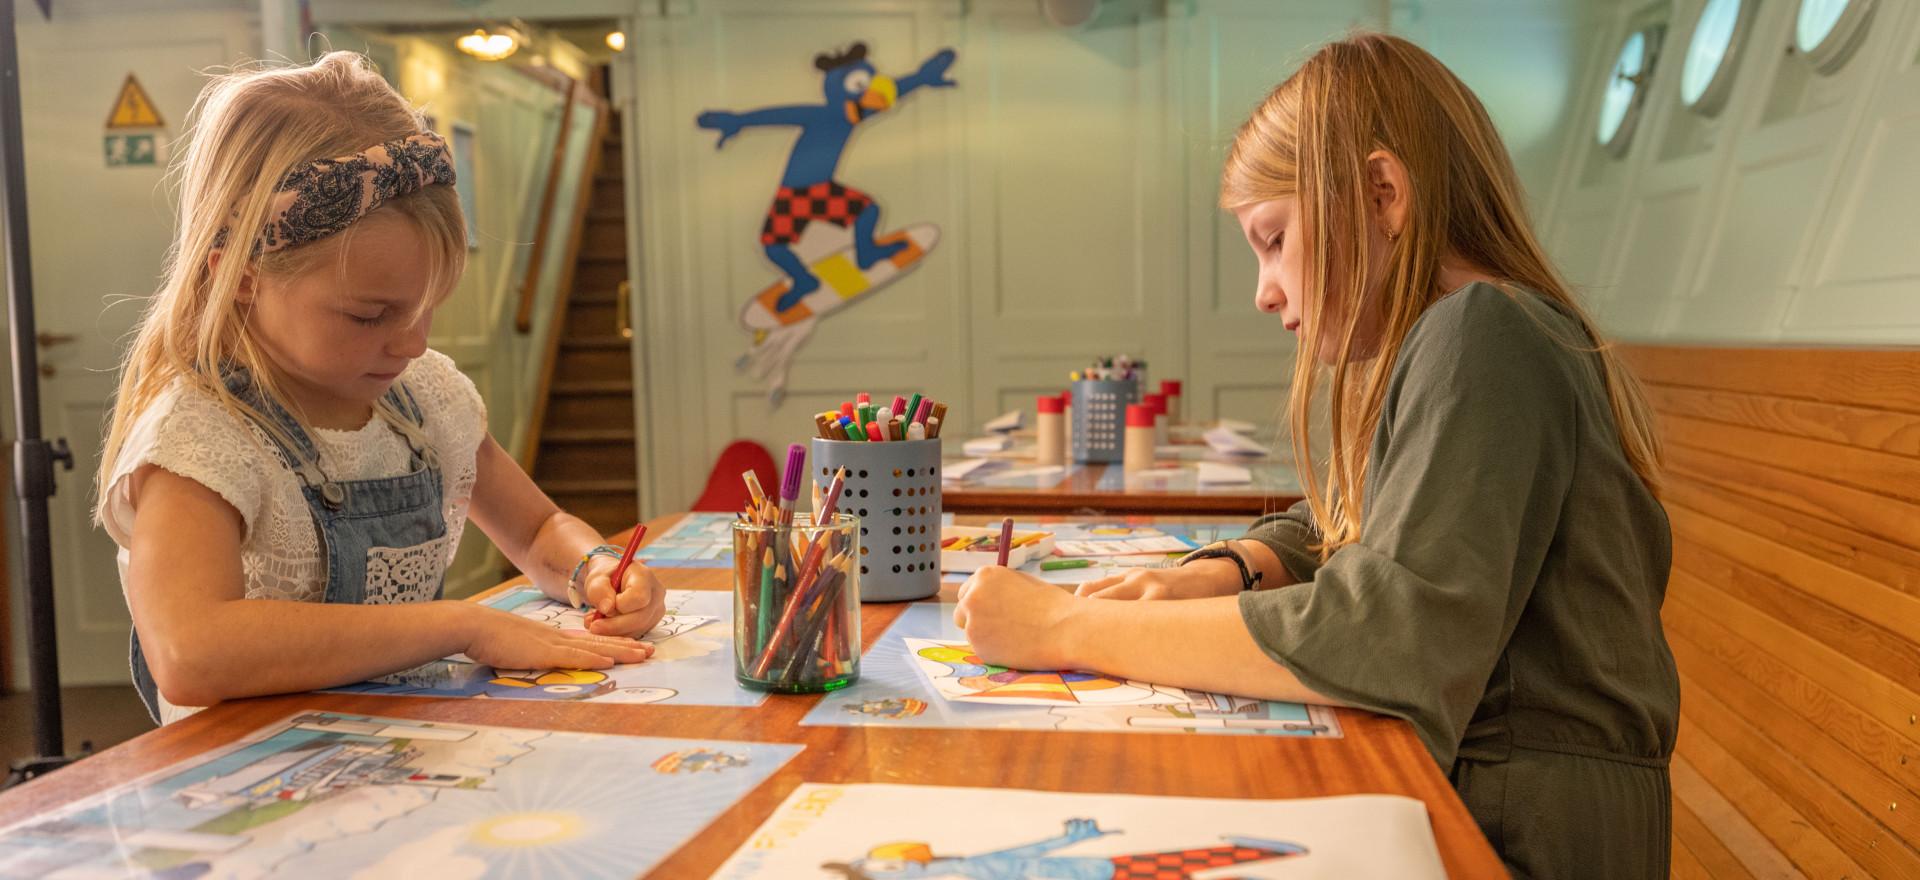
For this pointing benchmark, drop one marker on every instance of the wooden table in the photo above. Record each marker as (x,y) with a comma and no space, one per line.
(1377,754)
(1098,489)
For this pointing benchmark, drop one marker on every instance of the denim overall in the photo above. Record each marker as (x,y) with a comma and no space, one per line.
(353,517)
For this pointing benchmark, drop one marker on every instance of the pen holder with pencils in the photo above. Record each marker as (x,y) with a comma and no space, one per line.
(796,605)
(1100,417)
(894,487)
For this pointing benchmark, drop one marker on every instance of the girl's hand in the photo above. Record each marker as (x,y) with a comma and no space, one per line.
(1014,620)
(1200,580)
(505,640)
(638,607)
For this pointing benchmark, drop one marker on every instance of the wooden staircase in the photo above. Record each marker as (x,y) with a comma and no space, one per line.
(584,455)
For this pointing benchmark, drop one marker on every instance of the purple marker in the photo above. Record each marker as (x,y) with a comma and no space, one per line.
(790,481)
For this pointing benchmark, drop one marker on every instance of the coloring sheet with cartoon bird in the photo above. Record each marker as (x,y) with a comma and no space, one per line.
(869,832)
(921,673)
(346,796)
(692,663)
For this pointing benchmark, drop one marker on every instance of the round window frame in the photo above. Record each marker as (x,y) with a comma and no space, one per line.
(1617,145)
(1713,96)
(1842,40)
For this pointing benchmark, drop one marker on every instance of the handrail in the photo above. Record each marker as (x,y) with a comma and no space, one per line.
(530,285)
(623,310)
(596,144)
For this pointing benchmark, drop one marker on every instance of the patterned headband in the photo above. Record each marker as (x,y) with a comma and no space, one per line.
(330,194)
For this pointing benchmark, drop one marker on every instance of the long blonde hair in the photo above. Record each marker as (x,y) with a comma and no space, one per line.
(251,126)
(1310,139)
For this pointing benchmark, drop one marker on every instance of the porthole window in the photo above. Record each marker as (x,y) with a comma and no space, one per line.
(1626,91)
(1713,55)
(1826,32)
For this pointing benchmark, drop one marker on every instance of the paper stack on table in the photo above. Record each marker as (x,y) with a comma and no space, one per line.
(960,469)
(1007,423)
(1214,473)
(1226,441)
(1237,426)
(986,445)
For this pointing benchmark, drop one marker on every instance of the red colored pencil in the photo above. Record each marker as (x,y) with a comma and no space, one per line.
(1006,540)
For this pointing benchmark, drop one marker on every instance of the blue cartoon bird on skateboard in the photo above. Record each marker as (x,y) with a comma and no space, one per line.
(822,233)
(1037,861)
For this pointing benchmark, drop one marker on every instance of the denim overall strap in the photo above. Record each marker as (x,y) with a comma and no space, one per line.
(390,526)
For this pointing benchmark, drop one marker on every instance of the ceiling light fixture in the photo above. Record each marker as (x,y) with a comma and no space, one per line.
(488,47)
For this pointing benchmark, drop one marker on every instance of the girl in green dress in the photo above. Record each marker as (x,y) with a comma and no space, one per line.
(1482,554)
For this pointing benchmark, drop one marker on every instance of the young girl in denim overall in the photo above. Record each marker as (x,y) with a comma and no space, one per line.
(289,468)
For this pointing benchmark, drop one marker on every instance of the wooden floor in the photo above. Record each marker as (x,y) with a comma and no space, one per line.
(105,716)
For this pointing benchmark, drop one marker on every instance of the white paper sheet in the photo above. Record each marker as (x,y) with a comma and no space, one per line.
(1007,422)
(1214,473)
(960,469)
(986,445)
(939,831)
(1230,442)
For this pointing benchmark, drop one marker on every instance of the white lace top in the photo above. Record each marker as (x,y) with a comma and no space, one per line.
(188,433)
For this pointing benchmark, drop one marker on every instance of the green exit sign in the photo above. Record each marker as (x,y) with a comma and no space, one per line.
(131,149)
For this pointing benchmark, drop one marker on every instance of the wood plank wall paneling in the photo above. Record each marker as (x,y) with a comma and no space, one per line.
(1793,609)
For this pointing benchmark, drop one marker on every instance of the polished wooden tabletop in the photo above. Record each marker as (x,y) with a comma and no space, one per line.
(1100,489)
(1377,755)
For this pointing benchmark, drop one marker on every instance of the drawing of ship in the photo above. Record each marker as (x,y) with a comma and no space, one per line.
(318,769)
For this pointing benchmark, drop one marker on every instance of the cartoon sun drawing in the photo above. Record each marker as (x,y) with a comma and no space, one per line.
(518,830)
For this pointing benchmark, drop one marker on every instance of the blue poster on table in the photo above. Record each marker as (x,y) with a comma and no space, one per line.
(328,795)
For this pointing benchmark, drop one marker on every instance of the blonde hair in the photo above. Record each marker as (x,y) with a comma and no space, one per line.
(1310,138)
(251,126)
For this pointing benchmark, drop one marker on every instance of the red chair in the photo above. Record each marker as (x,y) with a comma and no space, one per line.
(726,492)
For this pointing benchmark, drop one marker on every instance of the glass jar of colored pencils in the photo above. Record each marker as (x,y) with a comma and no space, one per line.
(796,605)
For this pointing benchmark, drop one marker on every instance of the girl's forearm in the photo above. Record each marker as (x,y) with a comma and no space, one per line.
(250,647)
(554,551)
(1200,644)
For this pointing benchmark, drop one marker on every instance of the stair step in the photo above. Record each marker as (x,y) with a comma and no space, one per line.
(577,364)
(592,386)
(584,461)
(586,435)
(598,297)
(596,342)
(588,487)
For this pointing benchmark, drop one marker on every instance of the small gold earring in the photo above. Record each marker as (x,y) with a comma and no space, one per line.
(1393,236)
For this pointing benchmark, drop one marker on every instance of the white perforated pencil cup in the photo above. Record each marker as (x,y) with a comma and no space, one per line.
(1100,417)
(894,488)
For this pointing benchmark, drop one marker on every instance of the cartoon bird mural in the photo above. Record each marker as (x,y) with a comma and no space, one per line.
(899,861)
(822,233)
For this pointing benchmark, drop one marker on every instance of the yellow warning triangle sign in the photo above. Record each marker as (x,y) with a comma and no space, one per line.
(133,109)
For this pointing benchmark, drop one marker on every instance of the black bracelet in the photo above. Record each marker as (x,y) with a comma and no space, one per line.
(1249,579)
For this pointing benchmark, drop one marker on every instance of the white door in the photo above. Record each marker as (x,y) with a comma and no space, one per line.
(99,237)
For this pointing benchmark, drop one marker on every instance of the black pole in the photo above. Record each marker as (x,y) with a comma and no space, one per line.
(33,457)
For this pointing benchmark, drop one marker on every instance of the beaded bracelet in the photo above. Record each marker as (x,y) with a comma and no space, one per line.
(610,551)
